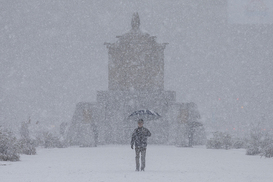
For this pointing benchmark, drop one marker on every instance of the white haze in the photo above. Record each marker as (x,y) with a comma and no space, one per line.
(52,57)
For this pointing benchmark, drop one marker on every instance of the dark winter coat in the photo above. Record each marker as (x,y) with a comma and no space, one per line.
(139,137)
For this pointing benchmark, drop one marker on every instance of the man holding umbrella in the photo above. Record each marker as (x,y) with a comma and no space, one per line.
(139,138)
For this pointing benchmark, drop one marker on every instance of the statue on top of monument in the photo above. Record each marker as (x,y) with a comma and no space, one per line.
(135,21)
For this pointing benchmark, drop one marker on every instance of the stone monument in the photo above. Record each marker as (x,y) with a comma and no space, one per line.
(135,81)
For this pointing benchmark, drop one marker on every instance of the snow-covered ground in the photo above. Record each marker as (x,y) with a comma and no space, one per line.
(115,163)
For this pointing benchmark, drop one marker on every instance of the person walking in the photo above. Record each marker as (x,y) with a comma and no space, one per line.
(139,139)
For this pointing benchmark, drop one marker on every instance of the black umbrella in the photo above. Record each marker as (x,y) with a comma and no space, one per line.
(146,115)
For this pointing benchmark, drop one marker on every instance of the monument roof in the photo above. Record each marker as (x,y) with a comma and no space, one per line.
(135,36)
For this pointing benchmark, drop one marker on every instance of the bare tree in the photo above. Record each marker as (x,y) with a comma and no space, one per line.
(192,123)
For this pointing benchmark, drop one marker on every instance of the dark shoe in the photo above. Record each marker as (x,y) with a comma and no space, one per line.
(142,169)
(137,169)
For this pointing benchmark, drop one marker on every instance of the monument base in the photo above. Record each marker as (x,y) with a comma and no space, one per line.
(108,117)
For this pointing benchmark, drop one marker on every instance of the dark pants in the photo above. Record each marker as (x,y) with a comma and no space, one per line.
(143,154)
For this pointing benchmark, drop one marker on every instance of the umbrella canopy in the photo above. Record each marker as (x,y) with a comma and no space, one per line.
(146,115)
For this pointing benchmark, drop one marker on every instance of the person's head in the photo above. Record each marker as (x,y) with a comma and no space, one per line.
(140,122)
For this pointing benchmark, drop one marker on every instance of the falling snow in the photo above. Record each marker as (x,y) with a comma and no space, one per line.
(72,74)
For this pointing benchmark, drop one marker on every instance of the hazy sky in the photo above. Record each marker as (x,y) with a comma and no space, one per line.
(52,56)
